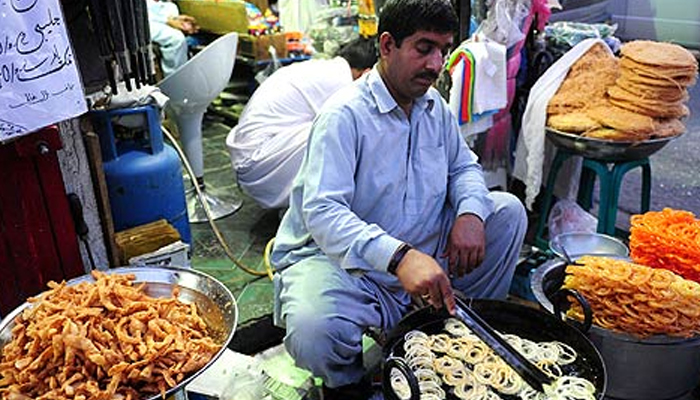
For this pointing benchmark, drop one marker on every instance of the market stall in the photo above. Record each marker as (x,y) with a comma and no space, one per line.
(150,331)
(612,113)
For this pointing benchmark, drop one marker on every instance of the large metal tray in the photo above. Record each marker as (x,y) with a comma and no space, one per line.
(215,304)
(606,150)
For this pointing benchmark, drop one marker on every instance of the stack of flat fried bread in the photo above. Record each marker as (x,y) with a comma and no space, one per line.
(642,95)
(654,77)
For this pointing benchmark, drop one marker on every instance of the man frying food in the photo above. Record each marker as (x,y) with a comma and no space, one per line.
(389,203)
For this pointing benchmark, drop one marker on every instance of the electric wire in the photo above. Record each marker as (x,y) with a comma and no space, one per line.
(266,257)
(268,269)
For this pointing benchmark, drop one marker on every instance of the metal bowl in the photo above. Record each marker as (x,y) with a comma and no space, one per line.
(606,150)
(577,244)
(215,304)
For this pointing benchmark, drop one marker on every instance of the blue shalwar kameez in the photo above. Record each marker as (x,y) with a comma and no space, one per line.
(371,179)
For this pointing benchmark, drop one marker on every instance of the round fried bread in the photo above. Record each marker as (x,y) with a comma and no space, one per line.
(583,89)
(575,122)
(626,62)
(658,53)
(668,127)
(618,93)
(596,58)
(586,82)
(621,119)
(615,135)
(657,81)
(666,93)
(675,110)
(655,71)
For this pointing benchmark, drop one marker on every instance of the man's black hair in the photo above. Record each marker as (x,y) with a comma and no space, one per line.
(402,18)
(360,53)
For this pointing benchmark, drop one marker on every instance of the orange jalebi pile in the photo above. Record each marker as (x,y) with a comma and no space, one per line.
(635,299)
(668,239)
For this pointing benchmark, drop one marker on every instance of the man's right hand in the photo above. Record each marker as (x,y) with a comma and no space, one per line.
(420,275)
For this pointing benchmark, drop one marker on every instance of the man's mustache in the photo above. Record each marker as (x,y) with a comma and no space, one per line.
(427,75)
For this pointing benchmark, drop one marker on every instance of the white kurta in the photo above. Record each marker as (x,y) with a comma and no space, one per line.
(268,144)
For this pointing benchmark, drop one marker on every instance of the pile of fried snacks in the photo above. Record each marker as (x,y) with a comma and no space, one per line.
(654,77)
(635,299)
(459,359)
(102,340)
(667,239)
(639,97)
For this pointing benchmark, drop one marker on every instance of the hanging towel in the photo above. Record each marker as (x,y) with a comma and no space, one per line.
(461,100)
(478,71)
(490,92)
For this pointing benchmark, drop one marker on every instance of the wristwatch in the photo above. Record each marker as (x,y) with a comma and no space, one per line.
(397,257)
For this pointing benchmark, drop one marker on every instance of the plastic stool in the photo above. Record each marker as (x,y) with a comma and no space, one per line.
(610,174)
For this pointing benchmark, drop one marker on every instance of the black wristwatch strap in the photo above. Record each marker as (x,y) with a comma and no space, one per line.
(397,257)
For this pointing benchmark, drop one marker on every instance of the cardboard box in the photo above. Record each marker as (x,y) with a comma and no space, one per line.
(256,47)
(217,16)
(175,254)
(144,239)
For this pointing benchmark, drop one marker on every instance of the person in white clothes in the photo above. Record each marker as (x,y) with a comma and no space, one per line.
(299,15)
(169,29)
(267,145)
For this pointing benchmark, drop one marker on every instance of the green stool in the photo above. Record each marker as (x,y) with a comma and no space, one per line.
(610,174)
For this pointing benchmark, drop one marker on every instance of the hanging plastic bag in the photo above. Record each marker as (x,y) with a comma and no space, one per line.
(569,34)
(567,216)
(270,69)
(504,21)
(247,382)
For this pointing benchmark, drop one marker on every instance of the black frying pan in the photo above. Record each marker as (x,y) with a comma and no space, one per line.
(526,322)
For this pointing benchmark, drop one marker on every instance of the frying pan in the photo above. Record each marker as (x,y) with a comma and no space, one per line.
(507,317)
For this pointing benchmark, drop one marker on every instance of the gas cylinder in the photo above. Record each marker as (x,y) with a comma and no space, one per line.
(143,174)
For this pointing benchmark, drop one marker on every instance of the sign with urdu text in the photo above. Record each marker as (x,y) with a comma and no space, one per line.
(39,80)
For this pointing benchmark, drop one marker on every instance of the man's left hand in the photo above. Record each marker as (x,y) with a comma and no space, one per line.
(466,245)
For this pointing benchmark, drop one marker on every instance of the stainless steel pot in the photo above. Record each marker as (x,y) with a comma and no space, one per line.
(657,368)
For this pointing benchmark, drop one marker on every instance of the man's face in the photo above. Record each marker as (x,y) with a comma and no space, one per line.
(411,69)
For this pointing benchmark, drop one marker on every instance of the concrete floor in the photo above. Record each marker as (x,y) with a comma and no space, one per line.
(246,232)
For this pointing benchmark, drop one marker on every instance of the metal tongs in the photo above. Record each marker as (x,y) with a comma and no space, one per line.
(534,376)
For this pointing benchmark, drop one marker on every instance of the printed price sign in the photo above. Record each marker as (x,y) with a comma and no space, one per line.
(39,80)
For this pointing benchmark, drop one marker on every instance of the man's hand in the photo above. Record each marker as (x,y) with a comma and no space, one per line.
(420,275)
(466,246)
(185,23)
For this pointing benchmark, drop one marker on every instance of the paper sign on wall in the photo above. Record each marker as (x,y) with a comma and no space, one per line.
(39,80)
